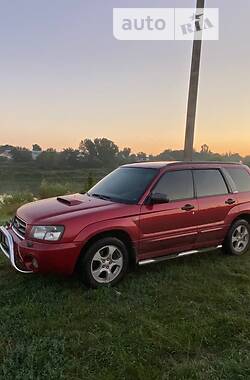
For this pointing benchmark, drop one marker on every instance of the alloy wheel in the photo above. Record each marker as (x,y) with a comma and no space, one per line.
(240,238)
(107,264)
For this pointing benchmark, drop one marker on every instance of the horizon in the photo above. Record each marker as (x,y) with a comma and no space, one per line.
(65,76)
(44,149)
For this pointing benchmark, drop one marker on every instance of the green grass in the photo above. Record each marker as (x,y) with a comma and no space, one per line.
(4,217)
(182,319)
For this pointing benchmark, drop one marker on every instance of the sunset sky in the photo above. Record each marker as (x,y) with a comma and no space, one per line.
(64,78)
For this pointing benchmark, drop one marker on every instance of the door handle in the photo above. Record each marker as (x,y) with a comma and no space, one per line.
(230,201)
(187,207)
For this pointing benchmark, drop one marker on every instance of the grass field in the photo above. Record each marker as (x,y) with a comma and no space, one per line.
(182,319)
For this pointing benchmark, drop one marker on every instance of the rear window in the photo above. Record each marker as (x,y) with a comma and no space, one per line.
(209,182)
(241,178)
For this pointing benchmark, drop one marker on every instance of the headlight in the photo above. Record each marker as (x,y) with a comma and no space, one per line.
(50,233)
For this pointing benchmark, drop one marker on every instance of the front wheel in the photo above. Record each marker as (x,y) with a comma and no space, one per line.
(104,263)
(238,239)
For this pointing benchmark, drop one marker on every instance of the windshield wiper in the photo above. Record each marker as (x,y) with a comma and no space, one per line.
(100,196)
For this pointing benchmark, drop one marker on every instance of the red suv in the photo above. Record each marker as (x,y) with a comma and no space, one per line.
(140,213)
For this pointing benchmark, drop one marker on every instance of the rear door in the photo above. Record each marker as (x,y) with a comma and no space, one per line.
(214,202)
(170,227)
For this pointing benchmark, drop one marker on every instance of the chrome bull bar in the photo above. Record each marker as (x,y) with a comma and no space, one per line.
(10,253)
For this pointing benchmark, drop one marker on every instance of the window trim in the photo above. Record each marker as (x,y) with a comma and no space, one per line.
(174,171)
(212,195)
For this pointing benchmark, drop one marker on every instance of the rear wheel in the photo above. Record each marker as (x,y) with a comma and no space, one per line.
(104,263)
(238,239)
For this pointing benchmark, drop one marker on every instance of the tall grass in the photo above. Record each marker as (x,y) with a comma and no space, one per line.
(54,189)
(9,203)
(49,190)
(91,181)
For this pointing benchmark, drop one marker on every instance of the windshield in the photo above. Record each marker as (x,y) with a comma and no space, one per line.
(125,185)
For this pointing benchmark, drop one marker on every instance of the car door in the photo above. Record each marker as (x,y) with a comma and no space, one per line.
(170,227)
(214,202)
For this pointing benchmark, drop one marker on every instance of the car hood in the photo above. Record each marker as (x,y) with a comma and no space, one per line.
(60,208)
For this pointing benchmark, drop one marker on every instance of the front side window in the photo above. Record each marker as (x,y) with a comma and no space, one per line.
(241,178)
(126,185)
(176,185)
(209,182)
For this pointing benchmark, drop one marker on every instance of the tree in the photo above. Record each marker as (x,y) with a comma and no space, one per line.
(233,157)
(101,151)
(21,154)
(36,148)
(124,155)
(141,156)
(106,150)
(247,160)
(48,159)
(167,155)
(69,156)
(51,150)
(88,149)
(204,148)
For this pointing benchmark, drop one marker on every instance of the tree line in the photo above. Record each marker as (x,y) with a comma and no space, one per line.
(102,152)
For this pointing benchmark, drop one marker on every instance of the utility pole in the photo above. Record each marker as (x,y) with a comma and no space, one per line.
(193,88)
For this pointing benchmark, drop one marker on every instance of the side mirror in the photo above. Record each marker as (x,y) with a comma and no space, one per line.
(158,198)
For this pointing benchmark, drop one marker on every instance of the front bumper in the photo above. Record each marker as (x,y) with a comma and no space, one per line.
(30,257)
(8,250)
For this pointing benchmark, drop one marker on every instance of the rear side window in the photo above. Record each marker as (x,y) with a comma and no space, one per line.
(241,178)
(209,182)
(176,185)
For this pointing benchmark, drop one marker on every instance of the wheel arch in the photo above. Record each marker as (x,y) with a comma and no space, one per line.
(116,233)
(244,215)
(227,247)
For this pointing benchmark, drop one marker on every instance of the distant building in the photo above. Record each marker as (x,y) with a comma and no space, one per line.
(35,154)
(6,153)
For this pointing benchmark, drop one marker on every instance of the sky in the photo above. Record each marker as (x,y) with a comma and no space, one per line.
(64,78)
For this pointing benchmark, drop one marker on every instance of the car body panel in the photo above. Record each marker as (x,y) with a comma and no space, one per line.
(75,218)
(166,226)
(212,217)
(52,258)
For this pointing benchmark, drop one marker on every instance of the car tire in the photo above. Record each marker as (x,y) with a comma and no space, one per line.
(104,263)
(237,241)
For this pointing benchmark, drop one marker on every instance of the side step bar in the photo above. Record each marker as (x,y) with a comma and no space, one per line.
(176,255)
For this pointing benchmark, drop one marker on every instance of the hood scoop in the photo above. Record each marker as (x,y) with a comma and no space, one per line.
(69,201)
